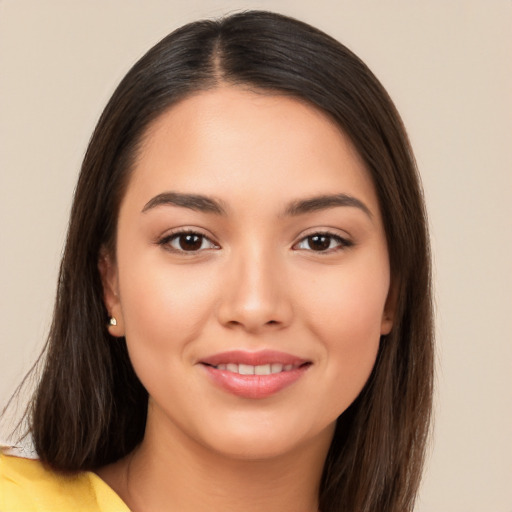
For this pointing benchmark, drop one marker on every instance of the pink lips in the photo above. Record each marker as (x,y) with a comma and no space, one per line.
(254,374)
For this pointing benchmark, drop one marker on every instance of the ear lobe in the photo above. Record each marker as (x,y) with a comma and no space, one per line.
(109,279)
(388,315)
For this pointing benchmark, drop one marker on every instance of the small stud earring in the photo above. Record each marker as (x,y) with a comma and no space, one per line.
(112,321)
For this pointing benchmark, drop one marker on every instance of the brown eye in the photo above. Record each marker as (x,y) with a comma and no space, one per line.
(190,242)
(187,242)
(322,242)
(319,242)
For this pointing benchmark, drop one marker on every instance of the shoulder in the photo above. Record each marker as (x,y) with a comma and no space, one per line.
(26,485)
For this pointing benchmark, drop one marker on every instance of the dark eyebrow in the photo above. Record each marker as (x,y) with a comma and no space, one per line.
(325,201)
(196,202)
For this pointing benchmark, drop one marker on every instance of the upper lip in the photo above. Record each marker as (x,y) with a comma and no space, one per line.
(260,357)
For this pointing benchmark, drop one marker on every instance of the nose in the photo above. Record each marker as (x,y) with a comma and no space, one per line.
(255,297)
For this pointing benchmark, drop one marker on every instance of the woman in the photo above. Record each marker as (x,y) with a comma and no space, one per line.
(243,316)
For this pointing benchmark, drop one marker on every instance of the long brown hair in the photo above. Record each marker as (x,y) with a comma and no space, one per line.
(90,408)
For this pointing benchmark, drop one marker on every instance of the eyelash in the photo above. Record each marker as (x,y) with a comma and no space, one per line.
(177,235)
(342,243)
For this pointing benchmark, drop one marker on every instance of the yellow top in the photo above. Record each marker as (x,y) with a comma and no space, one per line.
(26,486)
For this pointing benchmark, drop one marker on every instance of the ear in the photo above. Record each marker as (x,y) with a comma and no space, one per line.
(110,281)
(388,315)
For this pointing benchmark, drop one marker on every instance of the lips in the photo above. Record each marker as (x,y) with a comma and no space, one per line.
(254,374)
(261,369)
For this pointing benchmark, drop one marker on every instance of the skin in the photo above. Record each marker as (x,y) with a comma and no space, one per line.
(257,282)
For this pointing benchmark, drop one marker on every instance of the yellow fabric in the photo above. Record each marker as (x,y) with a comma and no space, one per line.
(26,486)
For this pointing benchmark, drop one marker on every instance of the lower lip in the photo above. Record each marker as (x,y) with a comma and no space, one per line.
(254,386)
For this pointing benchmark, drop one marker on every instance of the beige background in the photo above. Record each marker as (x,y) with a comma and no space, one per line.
(448,66)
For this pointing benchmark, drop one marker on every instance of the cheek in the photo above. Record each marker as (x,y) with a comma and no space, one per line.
(350,299)
(164,307)
(346,315)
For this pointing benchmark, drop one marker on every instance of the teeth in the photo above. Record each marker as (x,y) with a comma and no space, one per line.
(276,368)
(245,369)
(262,369)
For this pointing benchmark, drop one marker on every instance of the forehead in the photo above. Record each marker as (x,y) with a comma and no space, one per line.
(229,140)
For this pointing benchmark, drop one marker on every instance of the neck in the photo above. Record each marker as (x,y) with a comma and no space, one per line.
(176,473)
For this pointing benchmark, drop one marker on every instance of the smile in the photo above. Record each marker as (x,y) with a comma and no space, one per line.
(261,369)
(254,375)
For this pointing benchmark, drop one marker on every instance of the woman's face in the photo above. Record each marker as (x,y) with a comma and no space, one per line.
(251,274)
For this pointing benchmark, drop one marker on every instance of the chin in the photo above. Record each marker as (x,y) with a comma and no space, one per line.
(254,450)
(270,440)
